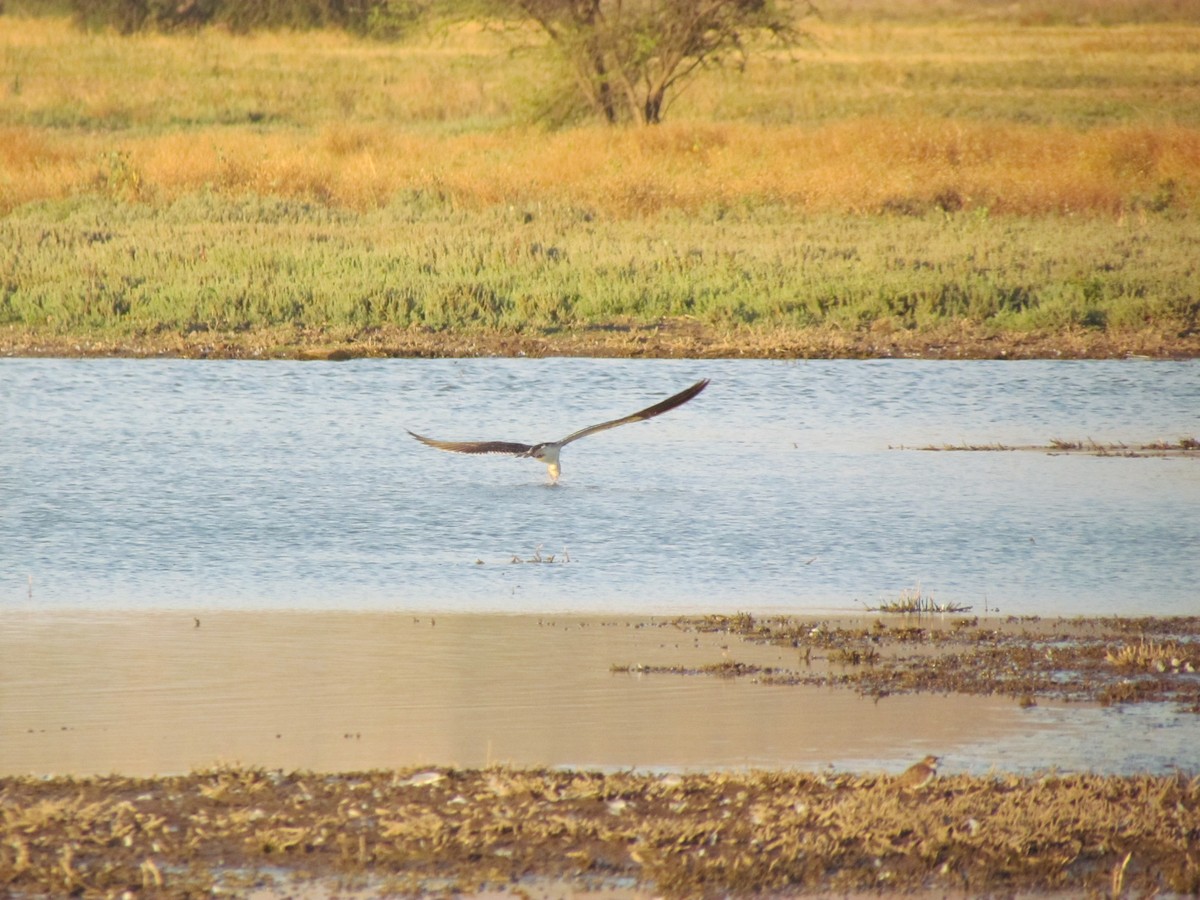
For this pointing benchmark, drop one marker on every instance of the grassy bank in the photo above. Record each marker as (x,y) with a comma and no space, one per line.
(207,266)
(897,185)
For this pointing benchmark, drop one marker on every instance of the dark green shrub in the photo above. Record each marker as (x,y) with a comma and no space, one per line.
(383,19)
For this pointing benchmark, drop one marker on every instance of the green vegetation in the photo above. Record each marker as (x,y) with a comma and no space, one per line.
(207,262)
(384,19)
(630,61)
(906,179)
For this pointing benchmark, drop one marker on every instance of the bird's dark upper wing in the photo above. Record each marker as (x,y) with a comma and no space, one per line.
(648,413)
(507,448)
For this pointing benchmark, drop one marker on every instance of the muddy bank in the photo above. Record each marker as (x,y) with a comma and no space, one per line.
(1098,660)
(246,829)
(1183,447)
(447,831)
(677,338)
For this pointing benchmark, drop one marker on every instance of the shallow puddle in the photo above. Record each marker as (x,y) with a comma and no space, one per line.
(145,694)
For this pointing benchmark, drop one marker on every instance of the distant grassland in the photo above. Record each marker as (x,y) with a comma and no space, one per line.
(965,171)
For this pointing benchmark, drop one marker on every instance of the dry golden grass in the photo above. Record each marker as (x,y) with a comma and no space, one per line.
(1030,179)
(1151,655)
(859,166)
(888,115)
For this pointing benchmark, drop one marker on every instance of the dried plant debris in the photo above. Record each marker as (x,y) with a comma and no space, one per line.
(913,601)
(1106,660)
(1184,446)
(447,831)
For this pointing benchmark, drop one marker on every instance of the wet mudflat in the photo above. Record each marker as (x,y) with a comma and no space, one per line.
(346,821)
(1108,661)
(1183,447)
(446,831)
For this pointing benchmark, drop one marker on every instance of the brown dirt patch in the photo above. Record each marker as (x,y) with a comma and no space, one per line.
(679,338)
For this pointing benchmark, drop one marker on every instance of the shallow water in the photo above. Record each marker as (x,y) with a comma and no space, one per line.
(138,496)
(156,694)
(328,691)
(176,484)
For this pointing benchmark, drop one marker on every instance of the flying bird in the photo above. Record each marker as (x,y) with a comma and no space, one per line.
(548,451)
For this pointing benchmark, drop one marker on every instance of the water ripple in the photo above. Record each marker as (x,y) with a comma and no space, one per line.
(158,484)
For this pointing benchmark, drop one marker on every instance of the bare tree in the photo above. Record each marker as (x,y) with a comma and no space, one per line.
(629,55)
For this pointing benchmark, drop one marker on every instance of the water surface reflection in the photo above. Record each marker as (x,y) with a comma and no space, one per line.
(231,485)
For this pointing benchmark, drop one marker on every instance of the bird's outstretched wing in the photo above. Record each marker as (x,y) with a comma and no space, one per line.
(506,448)
(648,413)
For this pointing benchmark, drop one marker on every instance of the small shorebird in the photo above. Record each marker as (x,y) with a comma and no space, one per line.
(548,451)
(919,774)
